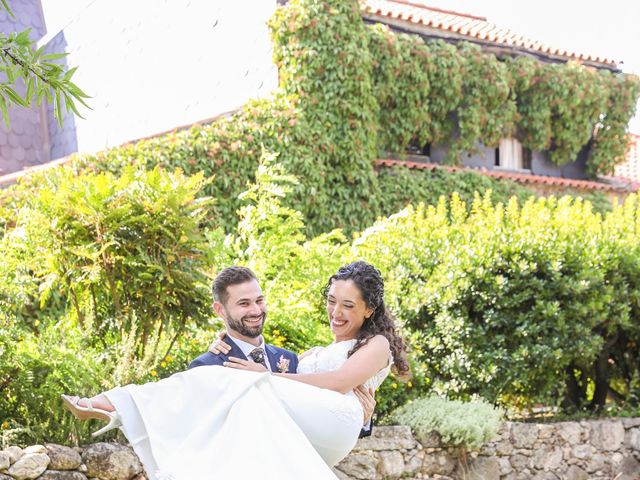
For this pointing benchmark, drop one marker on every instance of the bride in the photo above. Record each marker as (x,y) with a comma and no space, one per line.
(244,421)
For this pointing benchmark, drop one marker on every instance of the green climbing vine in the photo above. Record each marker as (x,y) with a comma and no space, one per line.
(459,95)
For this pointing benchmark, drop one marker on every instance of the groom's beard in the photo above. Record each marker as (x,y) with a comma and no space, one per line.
(239,325)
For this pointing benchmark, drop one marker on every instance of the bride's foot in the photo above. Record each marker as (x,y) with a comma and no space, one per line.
(97,407)
(99,402)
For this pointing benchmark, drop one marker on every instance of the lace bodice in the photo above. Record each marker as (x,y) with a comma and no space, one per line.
(331,357)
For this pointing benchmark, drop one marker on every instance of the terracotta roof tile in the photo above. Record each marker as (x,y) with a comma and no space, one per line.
(465,25)
(518,177)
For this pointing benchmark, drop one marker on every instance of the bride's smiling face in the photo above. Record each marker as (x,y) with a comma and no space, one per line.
(346,309)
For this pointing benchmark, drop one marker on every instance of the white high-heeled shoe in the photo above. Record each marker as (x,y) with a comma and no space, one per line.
(84,413)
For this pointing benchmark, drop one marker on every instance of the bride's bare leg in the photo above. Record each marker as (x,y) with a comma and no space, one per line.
(99,401)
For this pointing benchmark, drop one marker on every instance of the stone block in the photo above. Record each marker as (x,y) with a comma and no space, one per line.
(414,462)
(35,449)
(545,476)
(607,435)
(430,440)
(582,451)
(632,439)
(360,465)
(387,438)
(5,460)
(524,435)
(519,462)
(488,450)
(575,473)
(546,431)
(514,476)
(484,468)
(63,458)
(597,463)
(14,453)
(62,475)
(505,466)
(570,432)
(439,463)
(110,461)
(547,458)
(26,142)
(29,466)
(627,422)
(504,448)
(391,464)
(628,469)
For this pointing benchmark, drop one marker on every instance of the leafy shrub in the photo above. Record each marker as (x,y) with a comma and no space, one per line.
(35,369)
(465,424)
(516,303)
(116,250)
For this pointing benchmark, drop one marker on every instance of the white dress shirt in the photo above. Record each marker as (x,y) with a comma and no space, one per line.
(247,348)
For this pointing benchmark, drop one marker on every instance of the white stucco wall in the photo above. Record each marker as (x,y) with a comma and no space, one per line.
(153,65)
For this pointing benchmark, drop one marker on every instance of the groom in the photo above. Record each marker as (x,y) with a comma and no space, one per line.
(238,300)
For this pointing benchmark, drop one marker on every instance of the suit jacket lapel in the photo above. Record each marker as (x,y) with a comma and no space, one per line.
(272,355)
(235,349)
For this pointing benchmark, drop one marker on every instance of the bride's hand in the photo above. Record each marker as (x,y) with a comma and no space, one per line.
(367,400)
(218,346)
(240,364)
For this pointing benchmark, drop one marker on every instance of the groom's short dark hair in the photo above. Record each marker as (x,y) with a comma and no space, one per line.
(229,276)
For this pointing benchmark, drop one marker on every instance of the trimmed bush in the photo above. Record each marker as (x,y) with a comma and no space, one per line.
(460,424)
(517,303)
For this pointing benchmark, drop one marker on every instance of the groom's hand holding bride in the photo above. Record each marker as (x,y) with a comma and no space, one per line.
(240,364)
(363,394)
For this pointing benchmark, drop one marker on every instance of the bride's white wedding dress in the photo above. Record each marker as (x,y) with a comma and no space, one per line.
(215,422)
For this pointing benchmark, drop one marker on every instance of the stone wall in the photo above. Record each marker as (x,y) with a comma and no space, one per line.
(587,450)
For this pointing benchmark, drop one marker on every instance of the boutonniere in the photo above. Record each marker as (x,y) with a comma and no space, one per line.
(283,364)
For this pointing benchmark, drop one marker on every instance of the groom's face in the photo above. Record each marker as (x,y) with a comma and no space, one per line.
(244,310)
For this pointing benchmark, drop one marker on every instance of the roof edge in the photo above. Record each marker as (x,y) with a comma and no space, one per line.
(629,187)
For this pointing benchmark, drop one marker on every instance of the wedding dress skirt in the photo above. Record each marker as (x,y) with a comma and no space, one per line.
(215,422)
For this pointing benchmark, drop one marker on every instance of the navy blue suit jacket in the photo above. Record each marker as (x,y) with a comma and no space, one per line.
(273,353)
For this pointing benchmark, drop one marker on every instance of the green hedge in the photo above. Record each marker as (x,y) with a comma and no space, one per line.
(518,304)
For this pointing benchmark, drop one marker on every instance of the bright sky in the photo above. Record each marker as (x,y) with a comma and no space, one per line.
(608,28)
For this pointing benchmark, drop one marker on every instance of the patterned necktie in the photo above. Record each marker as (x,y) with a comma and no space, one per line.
(257,355)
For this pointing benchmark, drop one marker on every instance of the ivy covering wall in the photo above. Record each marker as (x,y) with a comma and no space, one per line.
(433,91)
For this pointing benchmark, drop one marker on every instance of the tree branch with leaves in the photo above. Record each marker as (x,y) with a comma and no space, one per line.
(41,74)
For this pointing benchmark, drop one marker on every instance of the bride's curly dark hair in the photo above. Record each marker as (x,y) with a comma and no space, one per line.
(369,281)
